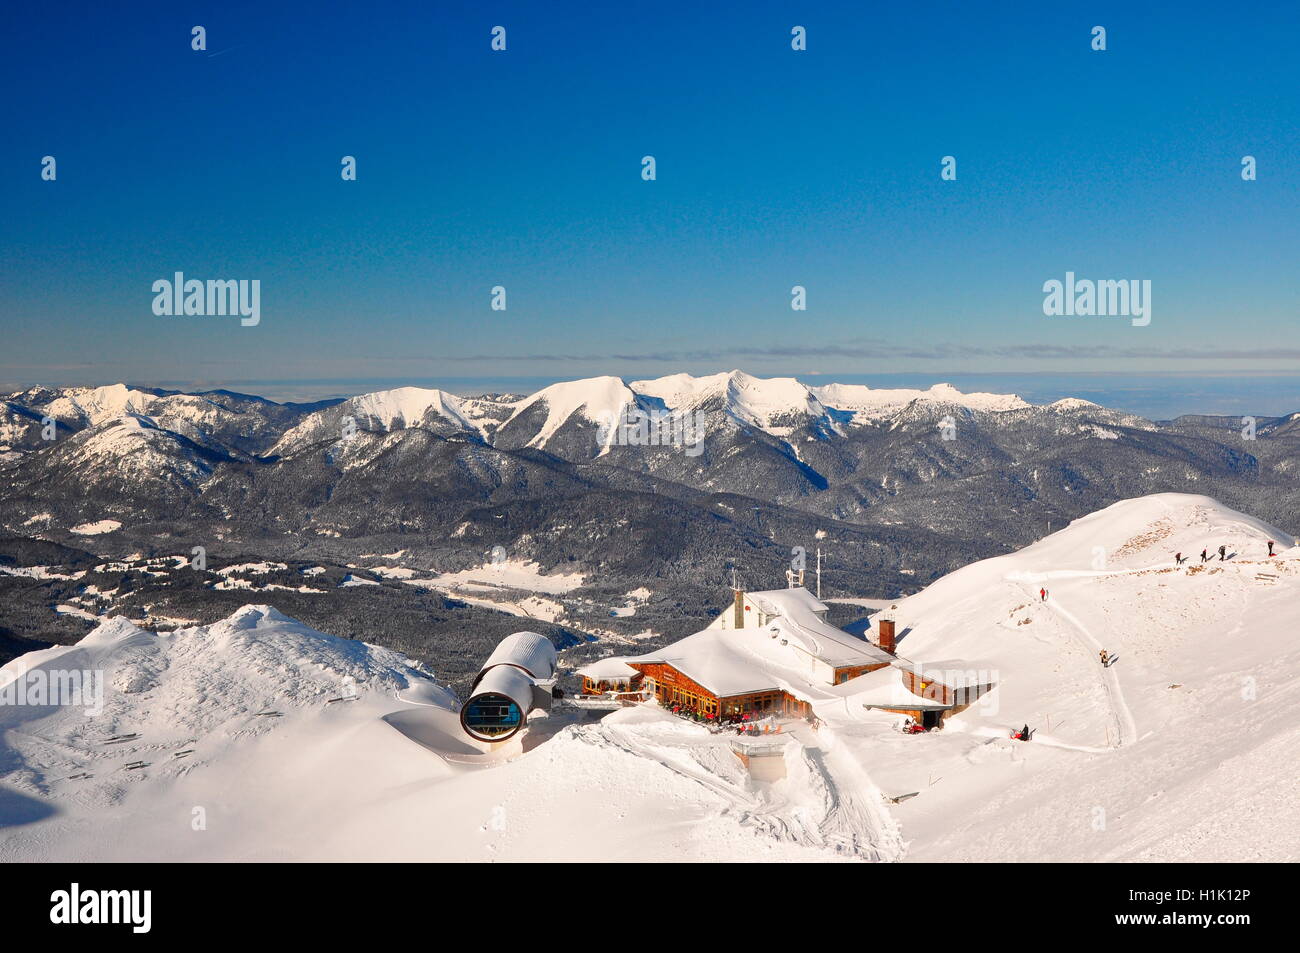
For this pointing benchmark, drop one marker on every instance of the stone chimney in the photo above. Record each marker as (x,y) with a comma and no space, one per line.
(887,641)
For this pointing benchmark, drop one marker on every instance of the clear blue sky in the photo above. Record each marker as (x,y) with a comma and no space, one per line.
(775,168)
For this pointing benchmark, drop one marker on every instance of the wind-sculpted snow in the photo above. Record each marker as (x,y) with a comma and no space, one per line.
(169,690)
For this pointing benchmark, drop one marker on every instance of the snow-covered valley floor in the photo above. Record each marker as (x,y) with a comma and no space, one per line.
(259,739)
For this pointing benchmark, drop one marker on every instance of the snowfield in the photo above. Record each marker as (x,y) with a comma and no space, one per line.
(506,574)
(97,528)
(257,738)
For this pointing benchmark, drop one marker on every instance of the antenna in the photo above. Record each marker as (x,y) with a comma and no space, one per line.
(819,572)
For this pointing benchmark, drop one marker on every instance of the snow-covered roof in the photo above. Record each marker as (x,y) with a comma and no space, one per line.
(731,662)
(796,611)
(798,599)
(955,673)
(508,681)
(532,652)
(713,660)
(607,669)
(884,689)
(779,655)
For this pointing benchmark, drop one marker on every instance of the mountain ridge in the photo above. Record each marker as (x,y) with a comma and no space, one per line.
(896,487)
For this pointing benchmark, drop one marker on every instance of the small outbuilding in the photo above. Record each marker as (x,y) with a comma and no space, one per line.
(609,675)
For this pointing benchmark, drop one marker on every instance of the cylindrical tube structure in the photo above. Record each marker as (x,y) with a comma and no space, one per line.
(503,692)
(533,653)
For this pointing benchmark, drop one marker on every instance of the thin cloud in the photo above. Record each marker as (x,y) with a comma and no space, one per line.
(1050,352)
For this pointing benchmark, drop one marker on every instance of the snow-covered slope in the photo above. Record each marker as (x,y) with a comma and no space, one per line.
(221,421)
(755,401)
(132,447)
(776,405)
(94,405)
(561,418)
(1185,748)
(871,404)
(203,678)
(90,406)
(408,406)
(771,405)
(594,400)
(386,411)
(258,738)
(680,391)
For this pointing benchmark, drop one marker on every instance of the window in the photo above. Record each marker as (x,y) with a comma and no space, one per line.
(492,715)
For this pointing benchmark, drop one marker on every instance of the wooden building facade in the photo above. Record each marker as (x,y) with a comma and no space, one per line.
(675,689)
(605,685)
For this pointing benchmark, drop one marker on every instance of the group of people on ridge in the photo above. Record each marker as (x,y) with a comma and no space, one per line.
(1207,556)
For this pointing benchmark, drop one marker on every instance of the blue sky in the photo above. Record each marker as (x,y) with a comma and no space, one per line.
(522,169)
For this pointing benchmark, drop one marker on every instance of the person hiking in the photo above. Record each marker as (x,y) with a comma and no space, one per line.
(1042,595)
(1105,658)
(1178,558)
(1270,547)
(1204,555)
(1222,551)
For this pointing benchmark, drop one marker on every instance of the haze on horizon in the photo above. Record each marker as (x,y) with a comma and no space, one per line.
(775,168)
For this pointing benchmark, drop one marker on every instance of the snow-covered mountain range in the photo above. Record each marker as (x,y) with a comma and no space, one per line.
(896,486)
(258,738)
(845,452)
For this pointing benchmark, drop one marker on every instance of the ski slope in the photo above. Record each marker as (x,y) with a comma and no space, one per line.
(257,738)
(1185,749)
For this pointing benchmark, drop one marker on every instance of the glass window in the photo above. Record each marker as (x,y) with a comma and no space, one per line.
(492,715)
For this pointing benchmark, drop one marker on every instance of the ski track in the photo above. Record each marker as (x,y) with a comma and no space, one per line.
(840,809)
(1125,727)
